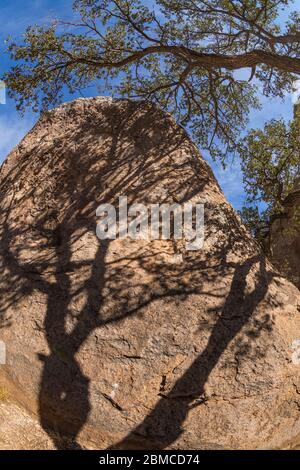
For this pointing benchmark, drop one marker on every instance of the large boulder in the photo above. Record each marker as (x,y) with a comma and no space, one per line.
(135,343)
(283,239)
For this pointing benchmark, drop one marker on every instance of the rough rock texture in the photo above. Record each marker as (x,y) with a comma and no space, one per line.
(19,430)
(136,344)
(284,238)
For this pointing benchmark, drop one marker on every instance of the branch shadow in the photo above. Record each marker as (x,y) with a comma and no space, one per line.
(163,425)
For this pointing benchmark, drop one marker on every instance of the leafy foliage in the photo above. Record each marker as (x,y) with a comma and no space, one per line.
(257,223)
(184,55)
(271,161)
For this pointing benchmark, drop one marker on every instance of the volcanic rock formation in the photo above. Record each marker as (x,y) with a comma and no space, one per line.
(134,343)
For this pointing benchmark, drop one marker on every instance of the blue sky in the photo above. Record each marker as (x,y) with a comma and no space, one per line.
(16,15)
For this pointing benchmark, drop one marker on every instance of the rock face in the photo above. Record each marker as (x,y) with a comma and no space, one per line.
(135,343)
(284,238)
(19,430)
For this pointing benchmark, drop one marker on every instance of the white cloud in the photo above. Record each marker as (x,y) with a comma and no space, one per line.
(231,181)
(12,130)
